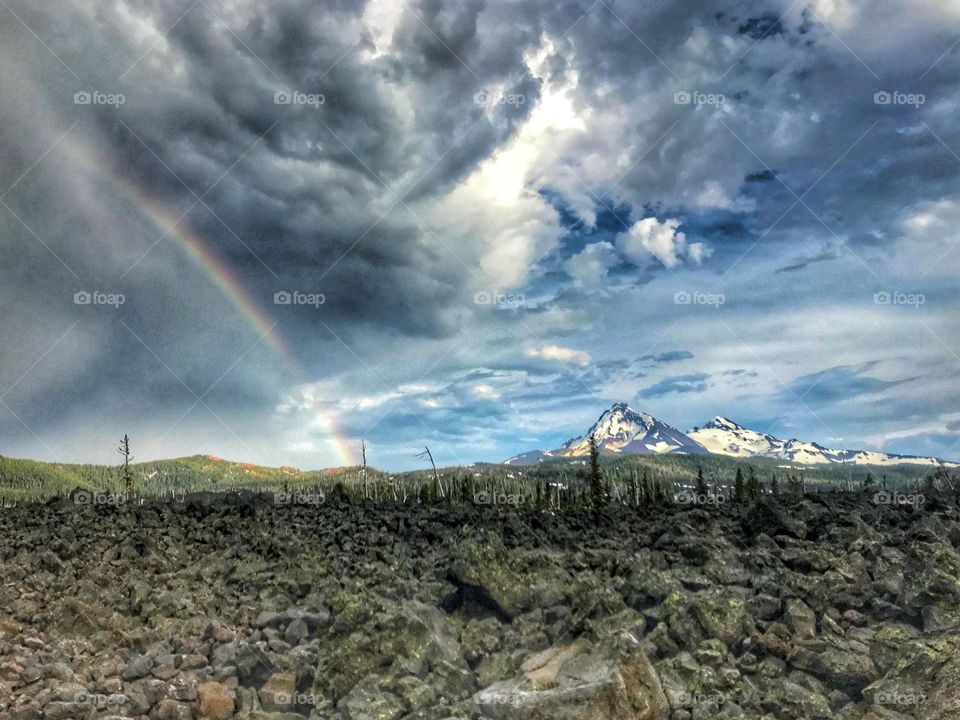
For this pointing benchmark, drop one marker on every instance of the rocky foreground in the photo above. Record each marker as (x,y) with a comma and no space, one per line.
(233,607)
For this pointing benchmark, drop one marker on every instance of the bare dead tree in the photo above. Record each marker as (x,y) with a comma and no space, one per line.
(363,473)
(436,476)
(849,478)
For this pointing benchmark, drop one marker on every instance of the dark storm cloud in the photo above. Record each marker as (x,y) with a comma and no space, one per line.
(799,68)
(692,383)
(825,255)
(293,196)
(838,384)
(667,357)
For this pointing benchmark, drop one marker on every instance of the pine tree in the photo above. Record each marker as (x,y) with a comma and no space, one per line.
(942,479)
(868,482)
(754,489)
(774,485)
(127,476)
(596,481)
(739,491)
(701,483)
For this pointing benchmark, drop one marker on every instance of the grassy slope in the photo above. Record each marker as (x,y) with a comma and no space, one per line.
(29,478)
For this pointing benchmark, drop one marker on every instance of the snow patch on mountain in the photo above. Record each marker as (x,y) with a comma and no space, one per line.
(531,457)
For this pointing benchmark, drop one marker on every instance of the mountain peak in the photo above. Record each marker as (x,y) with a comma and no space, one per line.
(624,430)
(722,423)
(622,408)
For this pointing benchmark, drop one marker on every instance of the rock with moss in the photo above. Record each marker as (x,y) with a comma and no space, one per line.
(579,681)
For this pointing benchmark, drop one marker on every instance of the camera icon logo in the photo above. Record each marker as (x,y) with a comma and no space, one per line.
(682,297)
(281,97)
(882,98)
(482,298)
(82,298)
(682,97)
(282,298)
(882,298)
(82,98)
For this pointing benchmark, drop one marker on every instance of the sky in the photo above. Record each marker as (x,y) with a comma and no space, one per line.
(271,230)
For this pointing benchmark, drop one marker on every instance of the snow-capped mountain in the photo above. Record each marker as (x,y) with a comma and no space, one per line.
(723,436)
(621,430)
(624,431)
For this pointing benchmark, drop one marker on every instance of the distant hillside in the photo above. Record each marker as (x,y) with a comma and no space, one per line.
(22,479)
(721,469)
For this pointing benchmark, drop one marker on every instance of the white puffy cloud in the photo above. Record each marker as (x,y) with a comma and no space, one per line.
(662,240)
(929,240)
(590,266)
(557,353)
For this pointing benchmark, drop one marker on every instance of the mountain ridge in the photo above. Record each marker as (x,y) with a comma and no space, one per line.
(622,430)
(723,436)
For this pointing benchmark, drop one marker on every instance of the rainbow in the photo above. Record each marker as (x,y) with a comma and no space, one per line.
(175,226)
(218,272)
